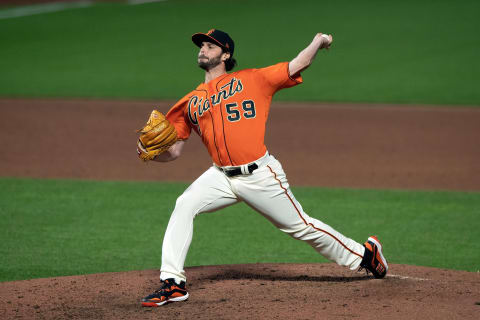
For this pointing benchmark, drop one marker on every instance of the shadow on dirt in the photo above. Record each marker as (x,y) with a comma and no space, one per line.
(238,274)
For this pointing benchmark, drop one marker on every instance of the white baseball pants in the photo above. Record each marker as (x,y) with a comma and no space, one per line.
(267,191)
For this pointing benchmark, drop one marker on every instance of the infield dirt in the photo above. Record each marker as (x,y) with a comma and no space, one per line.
(360,146)
(253,291)
(330,145)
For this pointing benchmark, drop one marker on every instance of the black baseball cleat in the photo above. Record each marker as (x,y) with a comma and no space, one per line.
(170,291)
(373,259)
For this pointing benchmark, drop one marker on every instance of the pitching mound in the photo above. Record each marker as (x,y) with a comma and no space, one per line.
(252,291)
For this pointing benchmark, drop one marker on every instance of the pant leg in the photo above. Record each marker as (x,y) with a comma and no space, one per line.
(210,192)
(267,191)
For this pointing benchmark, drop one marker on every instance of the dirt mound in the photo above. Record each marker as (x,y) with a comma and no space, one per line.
(252,291)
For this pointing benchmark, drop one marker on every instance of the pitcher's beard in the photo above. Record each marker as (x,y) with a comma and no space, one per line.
(210,63)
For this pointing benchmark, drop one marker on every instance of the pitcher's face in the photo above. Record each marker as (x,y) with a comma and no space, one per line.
(210,56)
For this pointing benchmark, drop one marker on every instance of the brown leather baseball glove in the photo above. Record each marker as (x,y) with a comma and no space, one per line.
(156,136)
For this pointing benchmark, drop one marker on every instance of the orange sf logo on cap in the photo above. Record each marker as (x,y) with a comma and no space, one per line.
(210,32)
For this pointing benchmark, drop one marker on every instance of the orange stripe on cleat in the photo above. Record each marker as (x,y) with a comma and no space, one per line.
(149,304)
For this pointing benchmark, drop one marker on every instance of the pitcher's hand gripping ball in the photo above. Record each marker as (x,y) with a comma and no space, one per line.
(156,136)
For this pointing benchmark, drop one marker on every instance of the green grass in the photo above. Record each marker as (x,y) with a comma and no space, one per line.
(64,227)
(396,51)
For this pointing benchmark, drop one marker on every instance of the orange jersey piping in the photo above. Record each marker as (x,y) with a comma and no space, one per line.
(223,125)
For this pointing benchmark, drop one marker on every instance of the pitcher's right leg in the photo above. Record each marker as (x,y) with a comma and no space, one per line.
(210,192)
(267,191)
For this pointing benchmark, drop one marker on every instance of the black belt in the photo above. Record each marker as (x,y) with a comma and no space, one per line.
(232,172)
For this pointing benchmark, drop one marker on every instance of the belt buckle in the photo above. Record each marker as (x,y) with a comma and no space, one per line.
(236,171)
(252,167)
(232,172)
(226,171)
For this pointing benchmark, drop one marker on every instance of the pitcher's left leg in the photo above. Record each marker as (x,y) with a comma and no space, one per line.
(268,192)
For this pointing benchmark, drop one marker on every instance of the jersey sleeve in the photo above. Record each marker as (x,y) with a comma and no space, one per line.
(277,77)
(178,119)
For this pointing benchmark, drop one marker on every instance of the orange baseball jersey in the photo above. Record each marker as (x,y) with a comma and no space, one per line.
(230,112)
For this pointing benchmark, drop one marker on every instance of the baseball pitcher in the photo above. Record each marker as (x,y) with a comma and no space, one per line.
(229,112)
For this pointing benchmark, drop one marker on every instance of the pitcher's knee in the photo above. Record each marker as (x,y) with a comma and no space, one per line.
(184,207)
(299,231)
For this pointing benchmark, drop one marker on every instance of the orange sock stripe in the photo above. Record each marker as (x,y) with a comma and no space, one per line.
(304,221)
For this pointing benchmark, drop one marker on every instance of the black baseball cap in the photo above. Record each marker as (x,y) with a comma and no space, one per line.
(217,37)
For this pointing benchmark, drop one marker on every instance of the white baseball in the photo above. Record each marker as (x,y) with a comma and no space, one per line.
(326,36)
